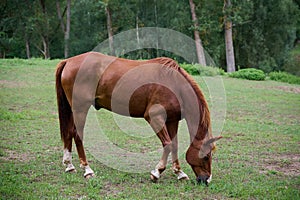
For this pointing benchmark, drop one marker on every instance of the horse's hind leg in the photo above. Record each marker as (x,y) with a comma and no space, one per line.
(67,158)
(83,162)
(80,118)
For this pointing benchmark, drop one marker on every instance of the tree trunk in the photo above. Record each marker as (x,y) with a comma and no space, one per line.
(67,32)
(109,30)
(27,44)
(198,42)
(230,61)
(156,24)
(137,32)
(65,27)
(44,34)
(46,51)
(60,17)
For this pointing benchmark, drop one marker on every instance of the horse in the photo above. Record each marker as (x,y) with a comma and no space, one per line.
(158,90)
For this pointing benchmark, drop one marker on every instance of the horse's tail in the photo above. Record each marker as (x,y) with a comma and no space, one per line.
(65,114)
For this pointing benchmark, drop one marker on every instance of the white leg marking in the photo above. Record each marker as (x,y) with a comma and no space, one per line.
(155,173)
(70,167)
(67,161)
(209,179)
(67,158)
(88,171)
(182,176)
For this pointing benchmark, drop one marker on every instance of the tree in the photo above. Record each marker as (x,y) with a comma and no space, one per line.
(109,30)
(44,24)
(265,38)
(65,27)
(230,61)
(198,42)
(263,32)
(109,27)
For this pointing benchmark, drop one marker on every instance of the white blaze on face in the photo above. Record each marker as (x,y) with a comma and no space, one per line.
(209,179)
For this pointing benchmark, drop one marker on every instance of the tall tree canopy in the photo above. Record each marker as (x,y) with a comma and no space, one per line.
(263,32)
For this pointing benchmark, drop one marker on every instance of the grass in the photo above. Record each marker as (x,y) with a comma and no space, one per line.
(258,158)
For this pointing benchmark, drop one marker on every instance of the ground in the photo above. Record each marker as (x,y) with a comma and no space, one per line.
(258,157)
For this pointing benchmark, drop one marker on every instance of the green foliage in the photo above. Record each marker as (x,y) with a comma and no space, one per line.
(284,77)
(266,38)
(250,74)
(293,62)
(195,69)
(264,31)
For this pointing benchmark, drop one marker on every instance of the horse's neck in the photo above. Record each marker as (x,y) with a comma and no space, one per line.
(196,130)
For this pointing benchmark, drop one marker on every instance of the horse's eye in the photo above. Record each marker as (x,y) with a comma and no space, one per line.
(206,158)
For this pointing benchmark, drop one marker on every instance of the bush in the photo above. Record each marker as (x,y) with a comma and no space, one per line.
(284,77)
(292,64)
(250,74)
(201,70)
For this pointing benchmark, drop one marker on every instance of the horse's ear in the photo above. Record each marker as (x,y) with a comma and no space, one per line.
(206,147)
(212,140)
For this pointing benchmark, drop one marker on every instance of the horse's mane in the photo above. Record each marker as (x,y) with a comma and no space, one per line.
(205,122)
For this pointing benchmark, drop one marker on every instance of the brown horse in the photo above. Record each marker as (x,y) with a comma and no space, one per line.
(157,90)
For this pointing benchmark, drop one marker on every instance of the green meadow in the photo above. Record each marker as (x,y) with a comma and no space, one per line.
(257,158)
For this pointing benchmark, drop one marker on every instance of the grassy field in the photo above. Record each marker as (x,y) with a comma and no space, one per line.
(258,158)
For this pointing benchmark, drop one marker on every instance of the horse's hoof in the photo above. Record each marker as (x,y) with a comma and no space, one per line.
(70,168)
(153,179)
(182,176)
(89,176)
(154,175)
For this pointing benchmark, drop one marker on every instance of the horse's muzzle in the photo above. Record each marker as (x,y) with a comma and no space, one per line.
(203,179)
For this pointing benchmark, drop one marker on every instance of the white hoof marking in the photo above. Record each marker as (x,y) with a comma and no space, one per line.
(88,172)
(182,176)
(155,173)
(70,168)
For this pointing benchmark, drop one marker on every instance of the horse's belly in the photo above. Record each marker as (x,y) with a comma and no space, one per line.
(133,107)
(137,101)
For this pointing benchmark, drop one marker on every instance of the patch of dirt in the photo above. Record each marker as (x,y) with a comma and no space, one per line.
(295,90)
(111,190)
(16,156)
(288,164)
(10,84)
(291,88)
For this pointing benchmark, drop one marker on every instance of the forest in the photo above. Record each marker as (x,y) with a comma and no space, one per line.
(264,34)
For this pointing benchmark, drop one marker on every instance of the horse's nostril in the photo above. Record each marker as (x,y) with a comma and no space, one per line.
(202,179)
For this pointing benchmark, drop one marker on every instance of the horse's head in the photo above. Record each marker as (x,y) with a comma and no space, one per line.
(199,156)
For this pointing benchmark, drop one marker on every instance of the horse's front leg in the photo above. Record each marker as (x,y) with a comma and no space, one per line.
(175,162)
(161,166)
(172,130)
(160,129)
(80,118)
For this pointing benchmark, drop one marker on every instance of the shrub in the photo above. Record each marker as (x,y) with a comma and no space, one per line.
(292,64)
(284,77)
(202,70)
(250,74)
